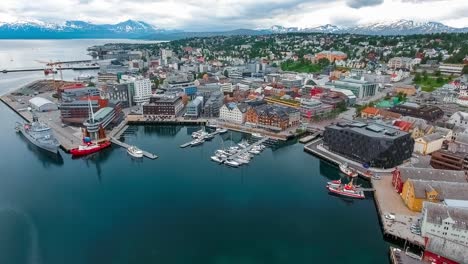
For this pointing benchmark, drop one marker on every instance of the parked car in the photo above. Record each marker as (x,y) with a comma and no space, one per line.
(390,216)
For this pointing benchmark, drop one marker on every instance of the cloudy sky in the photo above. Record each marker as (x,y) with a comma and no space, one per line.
(197,15)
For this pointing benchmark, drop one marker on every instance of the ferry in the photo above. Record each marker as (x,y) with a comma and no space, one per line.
(348,171)
(83,150)
(346,190)
(135,152)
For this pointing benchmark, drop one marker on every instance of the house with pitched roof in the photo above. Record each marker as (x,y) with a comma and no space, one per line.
(428,144)
(415,192)
(369,112)
(401,174)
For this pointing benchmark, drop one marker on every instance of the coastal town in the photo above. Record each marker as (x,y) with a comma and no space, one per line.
(391,110)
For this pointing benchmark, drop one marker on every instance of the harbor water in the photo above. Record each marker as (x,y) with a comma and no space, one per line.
(179,208)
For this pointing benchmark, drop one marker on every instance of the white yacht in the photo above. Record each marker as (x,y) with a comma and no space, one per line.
(135,152)
(232,163)
(218,159)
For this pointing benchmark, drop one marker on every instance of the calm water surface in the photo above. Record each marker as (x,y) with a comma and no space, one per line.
(180,208)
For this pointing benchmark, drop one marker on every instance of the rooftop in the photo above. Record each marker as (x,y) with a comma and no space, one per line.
(370,129)
(432,174)
(444,247)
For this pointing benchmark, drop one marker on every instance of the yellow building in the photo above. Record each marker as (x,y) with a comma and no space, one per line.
(428,144)
(415,192)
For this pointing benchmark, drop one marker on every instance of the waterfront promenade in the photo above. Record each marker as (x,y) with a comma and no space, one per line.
(385,196)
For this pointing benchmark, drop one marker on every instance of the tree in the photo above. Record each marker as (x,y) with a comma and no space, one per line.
(226,73)
(417,77)
(323,62)
(425,77)
(440,79)
(465,69)
(437,73)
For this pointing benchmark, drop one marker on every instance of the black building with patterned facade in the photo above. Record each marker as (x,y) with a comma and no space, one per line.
(374,145)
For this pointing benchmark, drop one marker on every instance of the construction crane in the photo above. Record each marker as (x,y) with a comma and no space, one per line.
(50,68)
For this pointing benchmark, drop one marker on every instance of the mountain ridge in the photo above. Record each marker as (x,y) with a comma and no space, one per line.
(139,29)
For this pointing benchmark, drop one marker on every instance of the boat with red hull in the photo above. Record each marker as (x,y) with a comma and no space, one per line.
(334,183)
(346,190)
(83,150)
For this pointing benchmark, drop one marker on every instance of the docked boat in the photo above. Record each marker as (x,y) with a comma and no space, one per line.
(347,190)
(196,142)
(254,151)
(213,126)
(334,183)
(208,137)
(347,170)
(232,163)
(86,66)
(218,159)
(83,77)
(39,134)
(135,152)
(221,130)
(83,150)
(257,135)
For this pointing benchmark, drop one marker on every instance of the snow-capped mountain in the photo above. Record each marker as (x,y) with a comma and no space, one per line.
(75,29)
(400,27)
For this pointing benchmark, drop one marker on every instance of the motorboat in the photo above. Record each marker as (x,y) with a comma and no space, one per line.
(217,159)
(208,137)
(135,152)
(257,135)
(347,170)
(253,151)
(196,142)
(232,163)
(221,130)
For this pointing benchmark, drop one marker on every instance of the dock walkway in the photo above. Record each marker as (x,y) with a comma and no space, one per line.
(242,151)
(125,145)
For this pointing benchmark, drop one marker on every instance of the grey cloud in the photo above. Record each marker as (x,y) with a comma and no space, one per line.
(363,3)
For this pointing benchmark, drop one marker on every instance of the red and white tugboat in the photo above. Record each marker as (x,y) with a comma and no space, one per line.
(348,190)
(86,149)
(347,170)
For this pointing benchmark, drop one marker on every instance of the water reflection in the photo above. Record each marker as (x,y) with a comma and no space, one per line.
(47,158)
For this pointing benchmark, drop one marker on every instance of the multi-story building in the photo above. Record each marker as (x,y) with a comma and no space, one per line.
(168,106)
(105,117)
(443,251)
(415,192)
(194,108)
(448,160)
(213,104)
(232,112)
(427,112)
(188,87)
(360,88)
(226,87)
(141,90)
(313,107)
(400,62)
(459,119)
(119,92)
(73,94)
(331,55)
(451,68)
(375,145)
(428,144)
(77,111)
(402,174)
(107,77)
(446,222)
(272,117)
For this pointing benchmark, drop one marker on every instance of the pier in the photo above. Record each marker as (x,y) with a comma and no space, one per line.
(309,138)
(126,146)
(242,151)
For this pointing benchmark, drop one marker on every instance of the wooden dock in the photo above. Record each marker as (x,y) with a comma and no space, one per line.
(126,146)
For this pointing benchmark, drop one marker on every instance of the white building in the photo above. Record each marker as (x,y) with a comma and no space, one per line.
(226,87)
(451,68)
(459,119)
(41,104)
(428,144)
(400,62)
(233,112)
(141,88)
(446,222)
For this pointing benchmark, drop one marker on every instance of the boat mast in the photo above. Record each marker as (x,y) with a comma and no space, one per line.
(91,113)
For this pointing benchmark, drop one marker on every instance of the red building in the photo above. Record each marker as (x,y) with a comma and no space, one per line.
(401,175)
(442,251)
